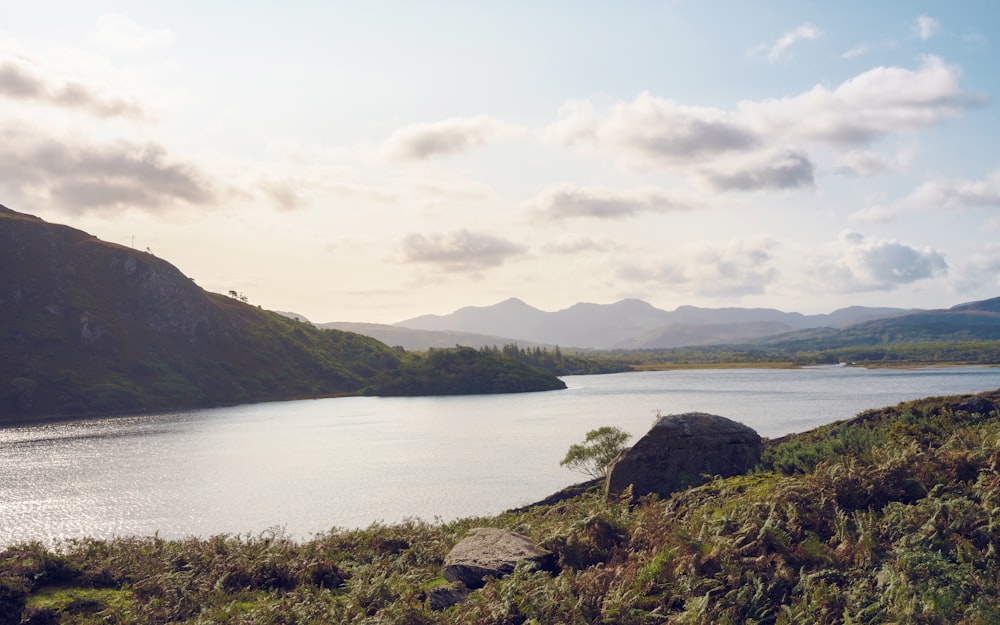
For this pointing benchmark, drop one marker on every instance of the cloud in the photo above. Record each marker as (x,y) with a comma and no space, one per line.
(789,169)
(457,134)
(925,27)
(116,31)
(875,214)
(577,121)
(978,270)
(567,201)
(780,47)
(662,130)
(20,79)
(955,194)
(579,244)
(856,51)
(744,267)
(459,251)
(80,177)
(865,164)
(867,107)
(745,148)
(286,195)
(861,264)
(937,195)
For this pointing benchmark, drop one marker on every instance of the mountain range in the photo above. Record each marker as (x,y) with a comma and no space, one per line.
(627,324)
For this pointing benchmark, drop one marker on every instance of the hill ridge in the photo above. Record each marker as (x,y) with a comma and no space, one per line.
(91,327)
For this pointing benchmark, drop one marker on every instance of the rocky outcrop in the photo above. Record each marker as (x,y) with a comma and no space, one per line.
(442,597)
(681,451)
(490,552)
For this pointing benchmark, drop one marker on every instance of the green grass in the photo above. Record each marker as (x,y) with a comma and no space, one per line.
(80,604)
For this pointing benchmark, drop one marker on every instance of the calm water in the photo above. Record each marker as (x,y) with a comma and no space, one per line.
(308,466)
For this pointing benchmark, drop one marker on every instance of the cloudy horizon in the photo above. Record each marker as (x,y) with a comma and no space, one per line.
(374,162)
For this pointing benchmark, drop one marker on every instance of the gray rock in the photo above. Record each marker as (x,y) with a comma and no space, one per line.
(681,451)
(443,597)
(490,552)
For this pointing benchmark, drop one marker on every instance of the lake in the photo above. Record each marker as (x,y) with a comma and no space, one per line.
(308,466)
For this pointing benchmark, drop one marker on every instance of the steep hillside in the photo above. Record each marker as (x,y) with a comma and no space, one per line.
(92,327)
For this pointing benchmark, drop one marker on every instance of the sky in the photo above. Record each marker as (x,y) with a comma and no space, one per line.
(374,161)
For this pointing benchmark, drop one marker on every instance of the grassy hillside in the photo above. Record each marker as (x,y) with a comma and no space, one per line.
(973,321)
(890,517)
(89,327)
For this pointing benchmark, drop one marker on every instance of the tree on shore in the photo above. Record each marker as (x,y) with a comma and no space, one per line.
(597,451)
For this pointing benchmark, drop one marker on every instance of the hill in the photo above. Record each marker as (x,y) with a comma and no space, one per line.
(89,327)
(889,517)
(968,322)
(634,324)
(420,340)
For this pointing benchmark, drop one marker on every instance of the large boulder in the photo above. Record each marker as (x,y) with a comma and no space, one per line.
(491,552)
(681,451)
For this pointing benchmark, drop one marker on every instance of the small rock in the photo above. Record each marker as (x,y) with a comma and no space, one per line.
(490,552)
(443,597)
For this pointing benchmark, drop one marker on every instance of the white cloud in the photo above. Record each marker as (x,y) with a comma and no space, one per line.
(747,148)
(459,251)
(871,105)
(744,267)
(23,79)
(567,201)
(780,47)
(856,51)
(938,195)
(116,31)
(579,244)
(926,27)
(875,214)
(864,163)
(362,191)
(286,195)
(577,121)
(861,264)
(457,134)
(979,269)
(662,130)
(788,169)
(80,176)
(955,194)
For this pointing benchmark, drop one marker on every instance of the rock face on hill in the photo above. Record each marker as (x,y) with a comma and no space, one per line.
(680,451)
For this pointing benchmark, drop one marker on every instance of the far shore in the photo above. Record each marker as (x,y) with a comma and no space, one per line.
(792,365)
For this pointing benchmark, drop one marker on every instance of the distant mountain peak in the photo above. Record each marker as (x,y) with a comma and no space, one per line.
(512,302)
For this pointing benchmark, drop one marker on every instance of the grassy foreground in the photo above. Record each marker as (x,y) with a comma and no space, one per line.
(891,517)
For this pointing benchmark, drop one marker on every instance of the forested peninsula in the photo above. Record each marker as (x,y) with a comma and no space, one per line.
(89,327)
(889,517)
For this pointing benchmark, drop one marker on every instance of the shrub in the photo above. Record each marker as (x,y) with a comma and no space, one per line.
(598,450)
